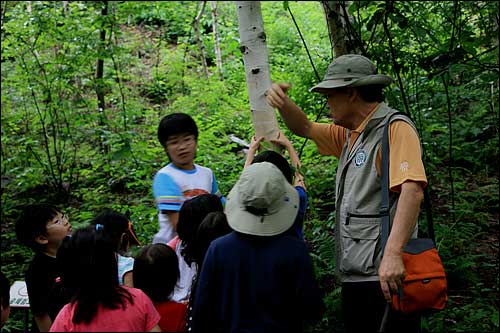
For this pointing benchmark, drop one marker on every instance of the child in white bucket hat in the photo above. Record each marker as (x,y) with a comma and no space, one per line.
(262,203)
(258,278)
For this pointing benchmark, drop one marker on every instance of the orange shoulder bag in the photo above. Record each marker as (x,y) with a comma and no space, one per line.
(424,287)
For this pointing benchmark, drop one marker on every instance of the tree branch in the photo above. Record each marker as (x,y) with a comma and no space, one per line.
(395,63)
(305,45)
(450,148)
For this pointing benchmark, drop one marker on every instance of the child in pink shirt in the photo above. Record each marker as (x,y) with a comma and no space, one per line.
(98,302)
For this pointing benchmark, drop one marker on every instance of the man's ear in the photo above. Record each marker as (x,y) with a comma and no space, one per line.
(352,93)
(41,239)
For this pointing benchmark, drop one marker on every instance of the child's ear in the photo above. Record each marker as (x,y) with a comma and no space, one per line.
(41,239)
(124,242)
(166,152)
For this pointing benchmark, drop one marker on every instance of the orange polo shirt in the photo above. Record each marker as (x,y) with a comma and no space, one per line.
(405,156)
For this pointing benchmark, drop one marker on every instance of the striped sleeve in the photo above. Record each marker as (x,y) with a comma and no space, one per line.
(215,190)
(167,193)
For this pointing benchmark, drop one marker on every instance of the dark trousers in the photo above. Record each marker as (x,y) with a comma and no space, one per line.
(363,306)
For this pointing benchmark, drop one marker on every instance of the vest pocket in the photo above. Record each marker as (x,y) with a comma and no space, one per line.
(360,245)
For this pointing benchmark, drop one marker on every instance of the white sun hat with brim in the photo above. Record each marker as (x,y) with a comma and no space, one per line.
(262,203)
(351,70)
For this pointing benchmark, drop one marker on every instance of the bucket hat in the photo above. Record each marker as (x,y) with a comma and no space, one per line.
(262,202)
(351,70)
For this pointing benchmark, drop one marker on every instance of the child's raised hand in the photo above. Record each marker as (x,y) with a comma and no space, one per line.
(255,143)
(281,140)
(254,146)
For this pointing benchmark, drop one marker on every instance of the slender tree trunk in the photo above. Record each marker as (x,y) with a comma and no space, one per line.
(201,47)
(99,74)
(255,57)
(336,27)
(118,72)
(396,65)
(496,42)
(29,8)
(218,55)
(4,11)
(65,7)
(450,146)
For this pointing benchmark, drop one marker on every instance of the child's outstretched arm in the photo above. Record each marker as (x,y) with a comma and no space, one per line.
(254,146)
(282,140)
(43,322)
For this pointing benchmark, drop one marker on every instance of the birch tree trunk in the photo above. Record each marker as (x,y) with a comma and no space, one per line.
(201,47)
(336,29)
(255,57)
(218,55)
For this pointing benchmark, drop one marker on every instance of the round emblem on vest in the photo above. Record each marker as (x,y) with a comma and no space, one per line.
(360,158)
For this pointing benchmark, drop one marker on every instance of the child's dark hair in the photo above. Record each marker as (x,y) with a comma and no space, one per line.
(193,211)
(90,272)
(116,228)
(278,160)
(175,124)
(213,226)
(32,223)
(156,271)
(4,291)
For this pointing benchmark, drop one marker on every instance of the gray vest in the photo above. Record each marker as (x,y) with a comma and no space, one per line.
(358,222)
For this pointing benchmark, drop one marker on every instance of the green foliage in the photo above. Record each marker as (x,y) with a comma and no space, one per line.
(58,147)
(477,315)
(173,18)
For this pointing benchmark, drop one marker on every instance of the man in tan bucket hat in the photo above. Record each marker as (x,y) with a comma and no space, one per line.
(355,96)
(351,70)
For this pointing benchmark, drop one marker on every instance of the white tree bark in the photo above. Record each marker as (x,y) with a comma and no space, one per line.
(201,47)
(4,11)
(218,55)
(255,57)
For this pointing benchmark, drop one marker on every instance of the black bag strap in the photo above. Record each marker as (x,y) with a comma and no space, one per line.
(384,180)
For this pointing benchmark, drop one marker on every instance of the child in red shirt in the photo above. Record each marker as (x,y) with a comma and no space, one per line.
(156,272)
